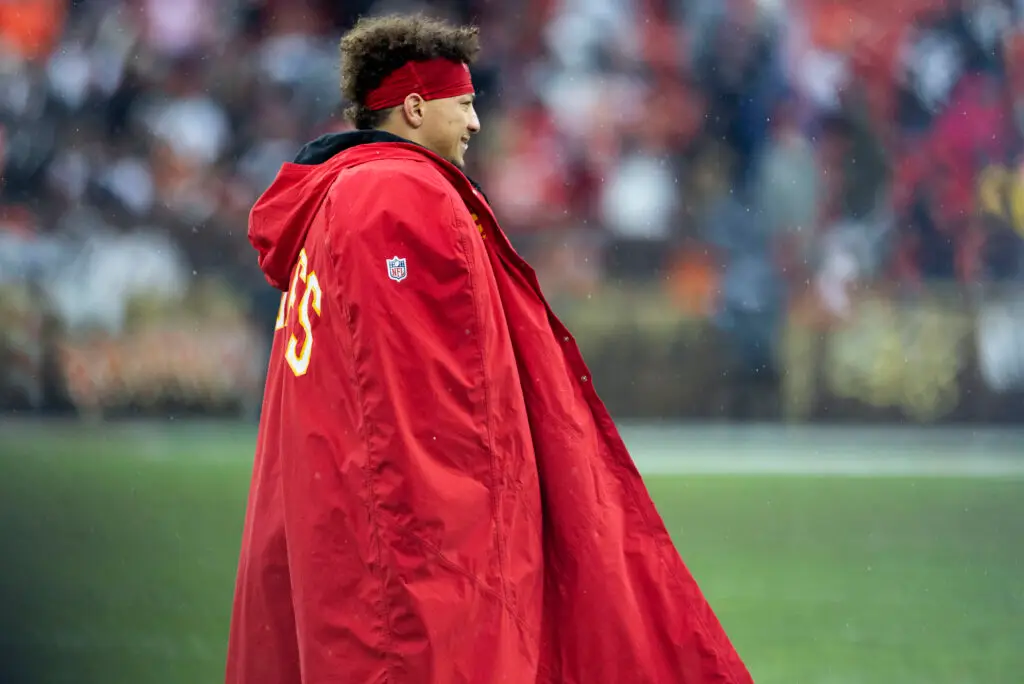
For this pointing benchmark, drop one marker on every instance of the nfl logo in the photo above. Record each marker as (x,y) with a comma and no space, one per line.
(396,269)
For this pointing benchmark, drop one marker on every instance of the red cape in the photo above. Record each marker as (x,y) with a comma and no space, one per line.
(439,496)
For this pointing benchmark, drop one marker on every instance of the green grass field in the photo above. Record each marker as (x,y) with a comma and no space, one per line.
(118,549)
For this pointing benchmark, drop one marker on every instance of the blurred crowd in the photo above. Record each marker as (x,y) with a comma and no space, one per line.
(862,138)
(730,151)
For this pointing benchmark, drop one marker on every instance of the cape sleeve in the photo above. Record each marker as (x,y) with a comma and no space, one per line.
(410,266)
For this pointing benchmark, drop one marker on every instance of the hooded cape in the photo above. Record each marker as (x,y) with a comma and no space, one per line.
(438,495)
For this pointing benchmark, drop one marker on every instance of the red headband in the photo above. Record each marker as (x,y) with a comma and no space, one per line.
(433,80)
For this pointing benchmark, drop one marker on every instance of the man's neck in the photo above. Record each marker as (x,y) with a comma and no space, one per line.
(403,132)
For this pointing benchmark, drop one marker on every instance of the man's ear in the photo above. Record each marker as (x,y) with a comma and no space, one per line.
(412,110)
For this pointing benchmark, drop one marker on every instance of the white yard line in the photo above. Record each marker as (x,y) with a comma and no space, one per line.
(826,451)
(657,449)
(817,465)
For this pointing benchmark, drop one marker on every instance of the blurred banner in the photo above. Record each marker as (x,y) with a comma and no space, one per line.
(119,327)
(935,356)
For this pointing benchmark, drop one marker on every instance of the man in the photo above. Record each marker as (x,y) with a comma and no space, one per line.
(439,496)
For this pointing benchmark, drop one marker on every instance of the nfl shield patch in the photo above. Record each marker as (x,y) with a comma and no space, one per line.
(396,269)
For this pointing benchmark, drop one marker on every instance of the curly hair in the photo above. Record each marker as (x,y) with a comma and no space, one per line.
(375,47)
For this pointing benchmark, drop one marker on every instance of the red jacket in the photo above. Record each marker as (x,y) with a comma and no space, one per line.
(439,496)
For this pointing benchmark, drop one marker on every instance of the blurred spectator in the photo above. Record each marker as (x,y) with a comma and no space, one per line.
(786,188)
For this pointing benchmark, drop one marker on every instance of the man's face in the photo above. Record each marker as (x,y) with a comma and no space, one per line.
(448,125)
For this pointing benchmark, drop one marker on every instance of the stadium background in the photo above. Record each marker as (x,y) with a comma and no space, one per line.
(788,234)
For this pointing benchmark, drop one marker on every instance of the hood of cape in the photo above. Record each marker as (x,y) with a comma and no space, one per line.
(280,219)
